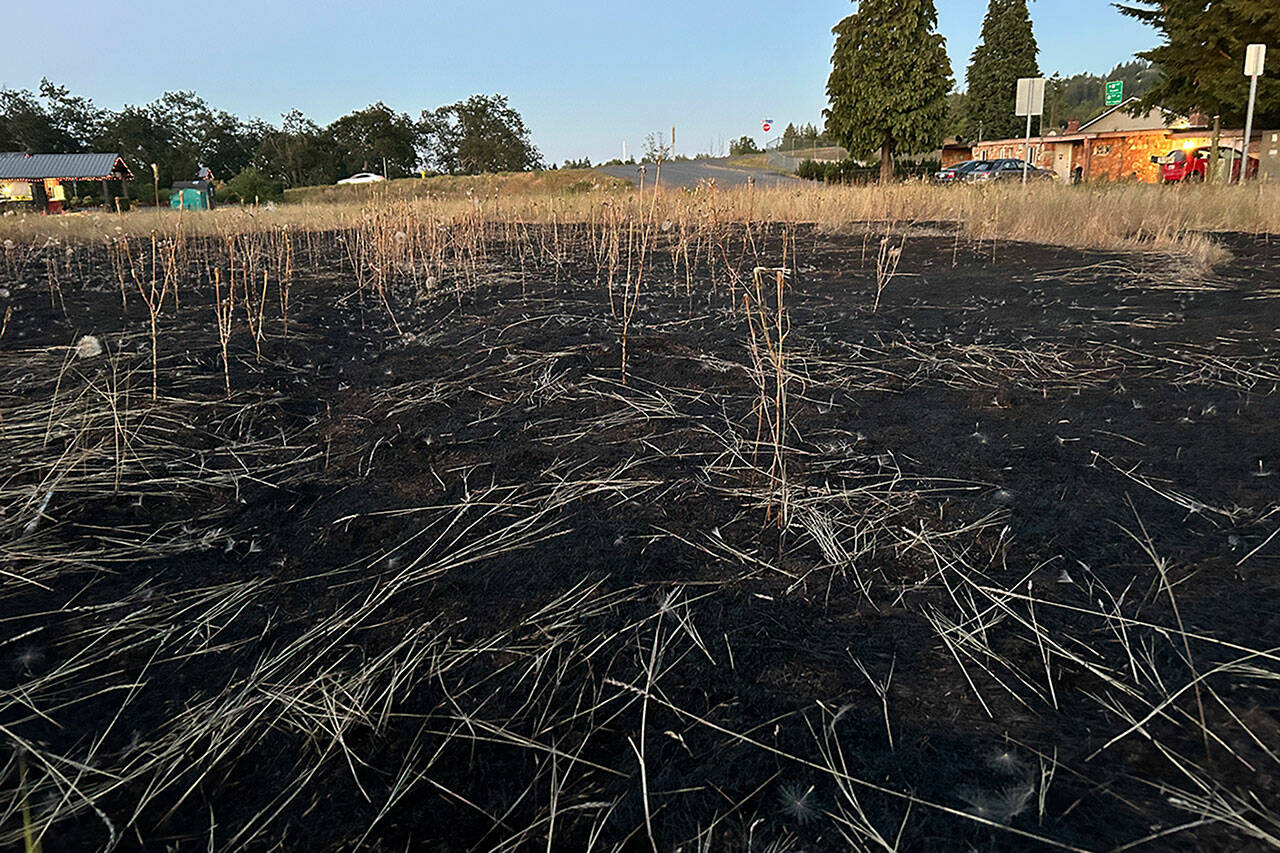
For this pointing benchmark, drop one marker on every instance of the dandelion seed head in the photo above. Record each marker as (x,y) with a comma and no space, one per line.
(1007,762)
(1001,806)
(28,658)
(799,803)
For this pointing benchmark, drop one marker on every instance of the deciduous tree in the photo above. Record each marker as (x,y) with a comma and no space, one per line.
(480,134)
(364,138)
(299,153)
(25,125)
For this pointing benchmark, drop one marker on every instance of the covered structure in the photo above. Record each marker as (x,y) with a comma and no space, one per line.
(37,179)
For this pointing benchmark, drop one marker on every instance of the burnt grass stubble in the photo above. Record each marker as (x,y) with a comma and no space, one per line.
(444,589)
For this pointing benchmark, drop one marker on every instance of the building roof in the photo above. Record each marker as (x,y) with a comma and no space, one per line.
(17,165)
(1129,102)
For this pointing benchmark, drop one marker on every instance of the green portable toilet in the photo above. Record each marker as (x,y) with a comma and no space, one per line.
(191,195)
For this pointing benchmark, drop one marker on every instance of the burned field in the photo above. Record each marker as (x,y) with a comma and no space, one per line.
(360,538)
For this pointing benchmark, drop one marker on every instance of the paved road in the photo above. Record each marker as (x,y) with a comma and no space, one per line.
(687,173)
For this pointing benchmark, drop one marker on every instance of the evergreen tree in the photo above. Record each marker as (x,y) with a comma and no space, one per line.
(743,145)
(1006,52)
(1201,61)
(957,104)
(790,139)
(889,80)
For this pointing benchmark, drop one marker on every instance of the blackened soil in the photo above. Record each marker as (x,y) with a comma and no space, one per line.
(459,586)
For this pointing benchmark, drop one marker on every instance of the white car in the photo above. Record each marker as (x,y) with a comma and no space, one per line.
(363,178)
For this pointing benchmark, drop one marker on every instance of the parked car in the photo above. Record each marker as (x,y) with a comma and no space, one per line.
(1007,170)
(955,173)
(362,178)
(1182,165)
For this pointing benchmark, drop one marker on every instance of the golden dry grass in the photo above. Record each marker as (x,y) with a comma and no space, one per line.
(554,182)
(1133,217)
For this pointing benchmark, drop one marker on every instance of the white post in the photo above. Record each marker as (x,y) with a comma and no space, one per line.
(1248,127)
(1029,102)
(1254,58)
(1026,150)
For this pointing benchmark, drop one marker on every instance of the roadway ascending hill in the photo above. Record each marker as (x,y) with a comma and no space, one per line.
(687,173)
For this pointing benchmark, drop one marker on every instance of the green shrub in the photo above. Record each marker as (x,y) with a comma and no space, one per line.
(251,185)
(852,172)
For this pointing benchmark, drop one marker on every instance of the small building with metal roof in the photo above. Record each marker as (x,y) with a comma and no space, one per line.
(37,179)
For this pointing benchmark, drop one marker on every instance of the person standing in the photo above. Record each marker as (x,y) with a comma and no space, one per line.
(204,173)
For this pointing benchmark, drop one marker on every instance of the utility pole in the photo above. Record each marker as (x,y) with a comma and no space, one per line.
(1254,58)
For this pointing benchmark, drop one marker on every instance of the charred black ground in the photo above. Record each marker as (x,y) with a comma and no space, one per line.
(456,586)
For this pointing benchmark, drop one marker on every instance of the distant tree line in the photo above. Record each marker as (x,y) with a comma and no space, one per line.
(804,136)
(180,130)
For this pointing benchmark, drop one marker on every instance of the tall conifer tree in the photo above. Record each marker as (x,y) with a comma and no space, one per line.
(1006,52)
(889,80)
(1201,60)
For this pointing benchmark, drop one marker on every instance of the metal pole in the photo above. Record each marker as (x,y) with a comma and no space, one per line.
(1026,149)
(1248,125)
(1214,153)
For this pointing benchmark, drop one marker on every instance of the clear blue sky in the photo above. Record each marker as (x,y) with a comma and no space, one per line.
(585,75)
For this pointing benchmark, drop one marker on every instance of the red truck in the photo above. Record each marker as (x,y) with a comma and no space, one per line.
(1183,165)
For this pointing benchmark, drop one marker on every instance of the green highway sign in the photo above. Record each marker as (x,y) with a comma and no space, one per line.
(1115,92)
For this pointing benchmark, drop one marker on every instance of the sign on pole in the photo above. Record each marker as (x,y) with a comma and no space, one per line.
(1030,97)
(1115,93)
(1255,57)
(766,125)
(1030,102)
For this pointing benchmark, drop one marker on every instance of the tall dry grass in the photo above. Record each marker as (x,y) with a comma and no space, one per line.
(1131,217)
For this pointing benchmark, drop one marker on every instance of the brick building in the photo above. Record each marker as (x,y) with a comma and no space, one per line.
(1115,146)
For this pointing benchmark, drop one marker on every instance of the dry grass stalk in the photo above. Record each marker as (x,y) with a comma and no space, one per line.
(768,326)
